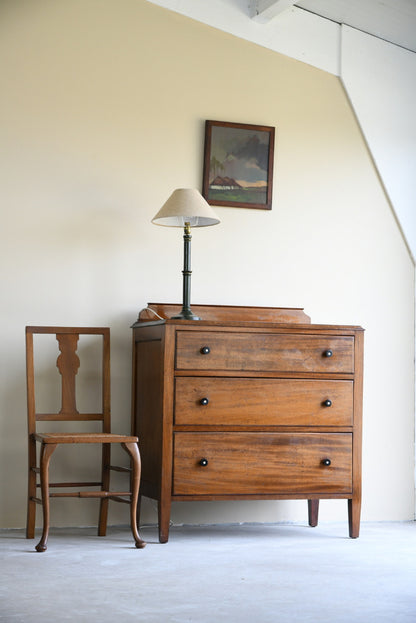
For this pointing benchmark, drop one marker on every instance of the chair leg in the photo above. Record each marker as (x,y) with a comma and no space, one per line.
(45,457)
(133,450)
(102,525)
(31,493)
(105,479)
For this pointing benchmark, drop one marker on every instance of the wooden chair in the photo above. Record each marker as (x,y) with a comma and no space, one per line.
(68,363)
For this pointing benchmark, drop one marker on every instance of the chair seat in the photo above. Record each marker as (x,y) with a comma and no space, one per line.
(83,438)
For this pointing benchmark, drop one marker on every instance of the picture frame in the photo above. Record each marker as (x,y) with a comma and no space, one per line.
(238,165)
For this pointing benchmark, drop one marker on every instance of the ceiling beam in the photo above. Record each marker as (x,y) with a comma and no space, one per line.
(264,10)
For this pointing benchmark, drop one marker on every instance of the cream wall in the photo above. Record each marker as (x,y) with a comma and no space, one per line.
(102,116)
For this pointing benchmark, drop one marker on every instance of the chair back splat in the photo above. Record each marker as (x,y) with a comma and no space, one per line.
(69,363)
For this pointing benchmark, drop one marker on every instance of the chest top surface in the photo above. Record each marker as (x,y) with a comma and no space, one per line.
(233,317)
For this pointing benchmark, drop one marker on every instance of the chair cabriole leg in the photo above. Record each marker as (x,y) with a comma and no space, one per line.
(133,450)
(45,457)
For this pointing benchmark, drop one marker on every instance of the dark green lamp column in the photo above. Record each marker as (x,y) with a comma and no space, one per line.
(186,311)
(186,208)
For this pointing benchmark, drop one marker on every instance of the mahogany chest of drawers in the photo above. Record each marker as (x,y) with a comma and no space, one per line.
(247,403)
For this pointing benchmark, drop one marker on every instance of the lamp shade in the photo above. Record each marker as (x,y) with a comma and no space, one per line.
(186,205)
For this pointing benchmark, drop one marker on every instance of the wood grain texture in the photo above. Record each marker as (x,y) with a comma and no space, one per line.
(262,463)
(262,402)
(268,352)
(264,407)
(231,313)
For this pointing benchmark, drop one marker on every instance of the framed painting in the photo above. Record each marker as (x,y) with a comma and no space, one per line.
(238,165)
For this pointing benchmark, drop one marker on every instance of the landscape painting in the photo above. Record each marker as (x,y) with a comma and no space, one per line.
(238,165)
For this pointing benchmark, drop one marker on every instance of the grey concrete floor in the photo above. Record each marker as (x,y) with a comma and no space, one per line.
(250,573)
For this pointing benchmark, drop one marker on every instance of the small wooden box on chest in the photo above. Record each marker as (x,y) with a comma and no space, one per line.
(249,403)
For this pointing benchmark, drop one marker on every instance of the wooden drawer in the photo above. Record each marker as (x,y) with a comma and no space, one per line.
(262,463)
(264,352)
(208,401)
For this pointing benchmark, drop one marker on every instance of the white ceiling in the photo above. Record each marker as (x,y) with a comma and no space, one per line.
(391,20)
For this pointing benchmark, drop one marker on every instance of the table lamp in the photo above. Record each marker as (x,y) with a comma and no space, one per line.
(186,208)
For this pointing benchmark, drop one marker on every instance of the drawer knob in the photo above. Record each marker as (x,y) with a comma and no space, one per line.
(328,353)
(327,403)
(205,350)
(203,462)
(204,401)
(326,462)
